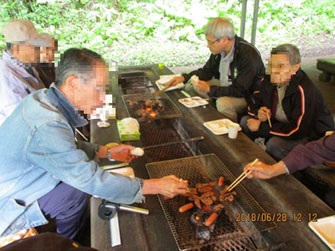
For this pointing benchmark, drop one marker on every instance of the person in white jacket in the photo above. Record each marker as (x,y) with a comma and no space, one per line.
(18,76)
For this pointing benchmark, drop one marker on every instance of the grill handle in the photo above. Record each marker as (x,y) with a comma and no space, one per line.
(134,209)
(174,142)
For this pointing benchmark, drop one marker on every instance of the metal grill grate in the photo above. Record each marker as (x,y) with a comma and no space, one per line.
(162,131)
(227,234)
(135,83)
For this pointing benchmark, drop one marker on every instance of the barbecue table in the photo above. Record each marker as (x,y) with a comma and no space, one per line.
(283,195)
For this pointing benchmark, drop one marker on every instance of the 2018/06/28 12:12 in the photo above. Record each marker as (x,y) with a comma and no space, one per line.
(275,217)
(299,217)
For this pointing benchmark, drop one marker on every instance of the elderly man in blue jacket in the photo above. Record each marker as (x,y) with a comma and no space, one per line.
(42,171)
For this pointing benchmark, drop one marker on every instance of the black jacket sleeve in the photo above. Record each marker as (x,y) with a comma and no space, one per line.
(208,71)
(248,68)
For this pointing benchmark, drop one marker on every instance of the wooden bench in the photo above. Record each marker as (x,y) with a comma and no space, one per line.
(327,66)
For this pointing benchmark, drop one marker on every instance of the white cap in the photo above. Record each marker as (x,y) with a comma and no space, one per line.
(24,31)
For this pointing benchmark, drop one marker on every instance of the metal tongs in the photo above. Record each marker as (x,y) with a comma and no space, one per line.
(109,211)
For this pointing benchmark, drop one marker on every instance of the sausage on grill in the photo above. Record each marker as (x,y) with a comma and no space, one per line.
(186,207)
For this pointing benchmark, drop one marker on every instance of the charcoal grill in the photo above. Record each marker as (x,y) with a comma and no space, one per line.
(164,131)
(228,234)
(135,82)
(134,110)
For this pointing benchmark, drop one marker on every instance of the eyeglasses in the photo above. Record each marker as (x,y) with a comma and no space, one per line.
(213,42)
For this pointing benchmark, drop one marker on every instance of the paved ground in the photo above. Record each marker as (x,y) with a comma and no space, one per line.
(308,65)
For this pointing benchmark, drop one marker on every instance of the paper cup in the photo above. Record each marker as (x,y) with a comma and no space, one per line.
(233,131)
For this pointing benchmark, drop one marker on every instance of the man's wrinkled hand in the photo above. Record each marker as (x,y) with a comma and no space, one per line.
(174,81)
(253,124)
(201,86)
(170,186)
(122,153)
(263,113)
(261,170)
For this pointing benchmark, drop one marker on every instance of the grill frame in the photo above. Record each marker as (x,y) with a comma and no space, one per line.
(163,131)
(234,233)
(135,83)
(170,109)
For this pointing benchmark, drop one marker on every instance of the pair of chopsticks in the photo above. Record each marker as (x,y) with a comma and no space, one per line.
(240,178)
(157,93)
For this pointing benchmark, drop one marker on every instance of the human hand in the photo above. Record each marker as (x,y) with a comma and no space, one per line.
(201,86)
(174,81)
(263,113)
(122,153)
(168,186)
(261,170)
(253,124)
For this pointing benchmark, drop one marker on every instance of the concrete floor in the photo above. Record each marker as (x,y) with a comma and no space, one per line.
(327,88)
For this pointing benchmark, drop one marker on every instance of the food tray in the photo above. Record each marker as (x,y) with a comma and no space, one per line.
(325,229)
(166,78)
(220,126)
(193,101)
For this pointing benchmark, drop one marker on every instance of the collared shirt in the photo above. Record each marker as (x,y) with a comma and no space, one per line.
(280,114)
(15,84)
(38,151)
(224,69)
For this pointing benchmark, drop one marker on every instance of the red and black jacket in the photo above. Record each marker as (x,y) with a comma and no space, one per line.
(303,104)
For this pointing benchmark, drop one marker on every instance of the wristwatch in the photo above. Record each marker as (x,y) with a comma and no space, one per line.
(96,148)
(109,155)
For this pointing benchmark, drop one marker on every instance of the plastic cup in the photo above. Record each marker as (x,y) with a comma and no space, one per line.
(233,131)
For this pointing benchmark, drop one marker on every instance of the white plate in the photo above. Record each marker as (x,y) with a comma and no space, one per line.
(220,126)
(325,229)
(193,101)
(166,78)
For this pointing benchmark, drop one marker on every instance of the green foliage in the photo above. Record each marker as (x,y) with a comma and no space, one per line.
(165,31)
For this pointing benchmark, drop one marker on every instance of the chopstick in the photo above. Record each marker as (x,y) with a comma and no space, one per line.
(267,115)
(157,93)
(240,178)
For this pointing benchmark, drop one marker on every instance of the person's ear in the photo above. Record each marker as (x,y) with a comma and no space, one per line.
(295,68)
(16,49)
(72,82)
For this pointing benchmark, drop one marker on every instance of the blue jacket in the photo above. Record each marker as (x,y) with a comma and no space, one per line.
(38,150)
